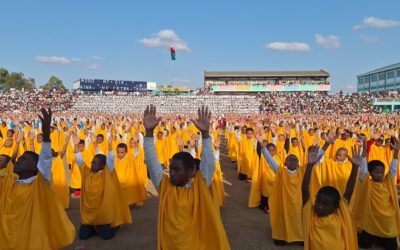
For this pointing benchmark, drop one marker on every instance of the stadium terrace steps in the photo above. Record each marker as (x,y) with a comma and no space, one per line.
(243,104)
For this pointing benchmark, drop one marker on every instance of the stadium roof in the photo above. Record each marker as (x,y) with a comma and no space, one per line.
(317,73)
(386,68)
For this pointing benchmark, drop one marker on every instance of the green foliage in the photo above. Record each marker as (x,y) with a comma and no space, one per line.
(15,80)
(54,83)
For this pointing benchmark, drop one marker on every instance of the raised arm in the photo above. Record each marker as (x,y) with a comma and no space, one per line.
(355,162)
(207,163)
(393,165)
(45,159)
(154,166)
(271,162)
(312,160)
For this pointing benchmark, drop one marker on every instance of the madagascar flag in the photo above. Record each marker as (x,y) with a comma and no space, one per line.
(172,53)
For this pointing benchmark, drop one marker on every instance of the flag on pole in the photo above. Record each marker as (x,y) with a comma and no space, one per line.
(172,50)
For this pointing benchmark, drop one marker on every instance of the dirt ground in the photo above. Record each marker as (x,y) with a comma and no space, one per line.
(246,228)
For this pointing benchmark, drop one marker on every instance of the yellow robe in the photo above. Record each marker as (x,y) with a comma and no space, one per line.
(32,218)
(285,204)
(160,147)
(267,176)
(248,157)
(335,231)
(188,218)
(130,179)
(217,186)
(59,181)
(379,153)
(377,210)
(102,199)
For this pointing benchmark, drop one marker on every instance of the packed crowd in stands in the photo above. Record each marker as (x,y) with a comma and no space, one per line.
(277,102)
(316,103)
(209,83)
(32,100)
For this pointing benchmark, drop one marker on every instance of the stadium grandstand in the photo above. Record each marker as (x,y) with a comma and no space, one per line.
(265,81)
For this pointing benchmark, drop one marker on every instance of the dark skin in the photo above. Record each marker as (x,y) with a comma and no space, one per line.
(26,166)
(325,205)
(378,173)
(179,175)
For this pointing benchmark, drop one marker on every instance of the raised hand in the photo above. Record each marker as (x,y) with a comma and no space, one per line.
(45,118)
(356,157)
(313,155)
(150,120)
(31,136)
(260,138)
(330,138)
(203,121)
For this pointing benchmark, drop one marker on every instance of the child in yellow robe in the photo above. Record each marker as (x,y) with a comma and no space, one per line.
(377,212)
(285,200)
(161,149)
(327,222)
(248,146)
(187,216)
(129,176)
(103,205)
(31,216)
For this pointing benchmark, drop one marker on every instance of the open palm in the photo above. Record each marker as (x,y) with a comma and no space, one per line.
(149,119)
(203,121)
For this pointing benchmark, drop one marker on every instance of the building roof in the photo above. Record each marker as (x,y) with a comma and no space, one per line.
(316,73)
(386,68)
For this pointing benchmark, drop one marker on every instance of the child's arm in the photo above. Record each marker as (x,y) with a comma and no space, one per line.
(207,163)
(153,164)
(312,160)
(45,159)
(393,164)
(355,162)
(271,162)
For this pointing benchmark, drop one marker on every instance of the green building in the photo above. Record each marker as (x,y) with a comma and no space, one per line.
(382,79)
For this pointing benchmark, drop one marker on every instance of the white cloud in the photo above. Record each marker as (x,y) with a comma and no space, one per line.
(92,66)
(288,46)
(74,59)
(330,41)
(97,58)
(165,39)
(182,80)
(52,59)
(377,23)
(369,39)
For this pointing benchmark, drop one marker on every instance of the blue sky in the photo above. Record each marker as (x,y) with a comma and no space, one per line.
(128,40)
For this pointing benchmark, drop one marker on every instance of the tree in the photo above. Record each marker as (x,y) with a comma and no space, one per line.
(54,83)
(15,80)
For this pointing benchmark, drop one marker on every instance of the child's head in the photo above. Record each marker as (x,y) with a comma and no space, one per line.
(99,139)
(98,163)
(4,160)
(132,143)
(181,168)
(10,133)
(39,138)
(121,150)
(327,201)
(26,165)
(81,145)
(376,170)
(292,162)
(281,137)
(249,133)
(341,154)
(160,135)
(271,148)
(295,142)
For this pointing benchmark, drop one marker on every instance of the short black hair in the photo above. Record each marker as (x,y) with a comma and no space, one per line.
(270,145)
(372,165)
(82,142)
(249,130)
(186,158)
(330,192)
(101,136)
(197,163)
(123,145)
(102,158)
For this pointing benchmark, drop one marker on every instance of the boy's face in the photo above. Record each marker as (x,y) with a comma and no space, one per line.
(121,152)
(324,206)
(281,137)
(159,135)
(295,142)
(271,150)
(178,175)
(249,134)
(99,139)
(96,165)
(341,155)
(378,174)
(40,138)
(81,147)
(10,134)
